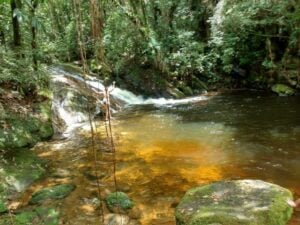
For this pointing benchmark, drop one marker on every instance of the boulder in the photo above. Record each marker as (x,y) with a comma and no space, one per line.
(175,93)
(41,215)
(116,219)
(20,169)
(54,192)
(241,202)
(283,90)
(119,200)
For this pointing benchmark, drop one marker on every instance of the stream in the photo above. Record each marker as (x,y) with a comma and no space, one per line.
(162,150)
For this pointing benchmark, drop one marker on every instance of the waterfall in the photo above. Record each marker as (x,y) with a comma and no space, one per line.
(216,23)
(72,94)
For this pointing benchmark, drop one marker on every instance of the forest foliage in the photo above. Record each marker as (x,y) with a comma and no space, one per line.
(149,46)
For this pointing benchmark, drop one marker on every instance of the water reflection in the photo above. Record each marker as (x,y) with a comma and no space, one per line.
(228,137)
(162,152)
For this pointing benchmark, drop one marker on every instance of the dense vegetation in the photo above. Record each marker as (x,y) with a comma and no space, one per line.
(150,46)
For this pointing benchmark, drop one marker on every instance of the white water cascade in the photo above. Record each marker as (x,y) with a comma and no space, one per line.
(216,23)
(71,93)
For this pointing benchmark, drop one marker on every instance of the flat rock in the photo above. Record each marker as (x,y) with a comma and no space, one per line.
(116,219)
(241,202)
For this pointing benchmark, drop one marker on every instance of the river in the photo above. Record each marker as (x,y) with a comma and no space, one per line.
(162,151)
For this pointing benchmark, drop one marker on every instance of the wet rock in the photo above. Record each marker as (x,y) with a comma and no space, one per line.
(92,175)
(246,202)
(116,219)
(119,200)
(165,221)
(61,173)
(174,92)
(134,222)
(94,202)
(26,131)
(135,213)
(54,192)
(21,169)
(283,90)
(46,130)
(187,91)
(124,187)
(45,216)
(72,101)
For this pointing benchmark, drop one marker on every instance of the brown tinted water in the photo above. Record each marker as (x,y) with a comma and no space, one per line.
(162,152)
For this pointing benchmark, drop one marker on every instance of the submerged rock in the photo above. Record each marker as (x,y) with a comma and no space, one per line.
(116,219)
(20,169)
(242,202)
(45,216)
(54,192)
(283,90)
(119,199)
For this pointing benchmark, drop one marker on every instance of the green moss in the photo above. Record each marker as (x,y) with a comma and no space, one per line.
(235,203)
(27,131)
(186,90)
(54,192)
(119,199)
(42,216)
(283,90)
(46,130)
(21,169)
(2,206)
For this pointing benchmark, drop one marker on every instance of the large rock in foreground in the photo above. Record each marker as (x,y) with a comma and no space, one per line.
(241,202)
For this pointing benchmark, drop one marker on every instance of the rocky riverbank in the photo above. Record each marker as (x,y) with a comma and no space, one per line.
(24,121)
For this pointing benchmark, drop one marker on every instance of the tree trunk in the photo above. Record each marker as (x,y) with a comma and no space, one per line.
(15,4)
(97,23)
(2,39)
(34,4)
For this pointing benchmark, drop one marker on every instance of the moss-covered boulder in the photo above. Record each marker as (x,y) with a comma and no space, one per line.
(241,202)
(45,216)
(55,192)
(20,169)
(26,130)
(119,199)
(175,93)
(283,90)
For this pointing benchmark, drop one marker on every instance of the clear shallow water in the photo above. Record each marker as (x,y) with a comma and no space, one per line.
(164,151)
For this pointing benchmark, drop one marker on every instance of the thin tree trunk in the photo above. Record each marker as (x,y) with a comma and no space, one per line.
(15,4)
(2,39)
(97,23)
(34,4)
